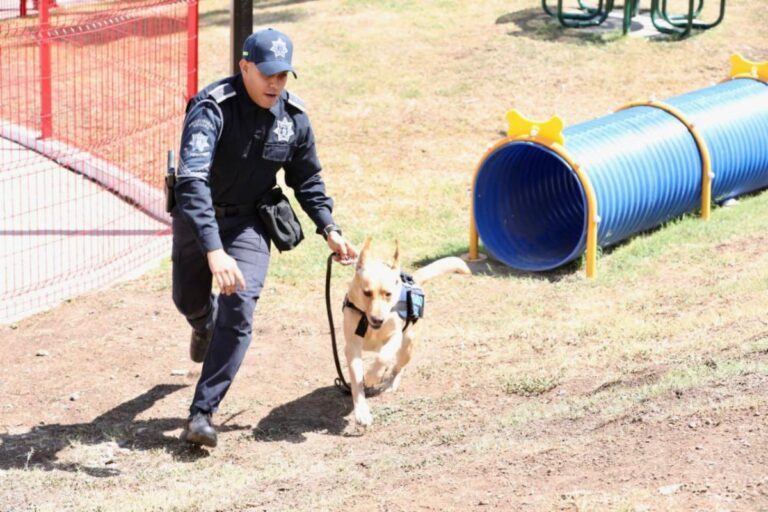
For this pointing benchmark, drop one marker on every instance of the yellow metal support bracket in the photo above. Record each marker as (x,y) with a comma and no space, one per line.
(743,68)
(548,134)
(706,163)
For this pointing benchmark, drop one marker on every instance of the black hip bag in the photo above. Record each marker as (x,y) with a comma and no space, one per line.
(280,220)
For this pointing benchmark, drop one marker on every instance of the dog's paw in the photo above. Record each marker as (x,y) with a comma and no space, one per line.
(363,417)
(390,382)
(394,384)
(375,376)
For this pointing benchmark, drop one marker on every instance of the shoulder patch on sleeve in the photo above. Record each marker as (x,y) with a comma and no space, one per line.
(222,92)
(295,101)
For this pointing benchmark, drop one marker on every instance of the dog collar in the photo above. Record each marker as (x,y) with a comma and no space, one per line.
(362,325)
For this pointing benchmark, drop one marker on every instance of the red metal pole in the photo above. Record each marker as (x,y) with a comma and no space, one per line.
(192,39)
(22,8)
(46,105)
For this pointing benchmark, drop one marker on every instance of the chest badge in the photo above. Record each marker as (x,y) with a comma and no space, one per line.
(284,130)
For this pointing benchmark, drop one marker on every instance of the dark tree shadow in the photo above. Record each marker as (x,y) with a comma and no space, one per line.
(220,17)
(38,448)
(266,4)
(78,29)
(116,28)
(322,410)
(535,24)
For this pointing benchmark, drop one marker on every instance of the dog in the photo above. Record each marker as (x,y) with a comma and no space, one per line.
(374,298)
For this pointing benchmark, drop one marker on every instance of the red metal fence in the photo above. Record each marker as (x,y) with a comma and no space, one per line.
(92,95)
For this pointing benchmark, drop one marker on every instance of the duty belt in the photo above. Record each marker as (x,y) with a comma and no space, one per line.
(234,210)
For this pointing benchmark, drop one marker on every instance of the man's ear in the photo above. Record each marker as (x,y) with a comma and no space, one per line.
(363,253)
(243,66)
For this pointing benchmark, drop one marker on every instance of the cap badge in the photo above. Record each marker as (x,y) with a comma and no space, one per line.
(284,130)
(279,48)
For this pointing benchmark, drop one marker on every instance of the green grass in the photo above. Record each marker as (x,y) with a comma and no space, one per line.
(530,385)
(688,240)
(620,400)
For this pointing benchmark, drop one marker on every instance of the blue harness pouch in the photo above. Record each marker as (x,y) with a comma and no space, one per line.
(410,307)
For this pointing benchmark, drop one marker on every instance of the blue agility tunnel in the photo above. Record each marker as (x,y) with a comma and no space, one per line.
(533,198)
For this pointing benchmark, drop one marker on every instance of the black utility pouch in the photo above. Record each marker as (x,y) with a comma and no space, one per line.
(280,220)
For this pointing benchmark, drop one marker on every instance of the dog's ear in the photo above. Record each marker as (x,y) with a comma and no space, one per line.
(363,253)
(396,257)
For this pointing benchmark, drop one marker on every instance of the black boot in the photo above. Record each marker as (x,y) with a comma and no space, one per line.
(200,429)
(198,344)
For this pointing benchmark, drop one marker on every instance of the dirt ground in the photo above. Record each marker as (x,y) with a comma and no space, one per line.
(90,408)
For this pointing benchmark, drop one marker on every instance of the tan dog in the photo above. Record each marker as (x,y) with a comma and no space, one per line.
(374,292)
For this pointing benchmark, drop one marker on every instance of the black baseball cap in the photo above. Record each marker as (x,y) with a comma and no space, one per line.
(270,50)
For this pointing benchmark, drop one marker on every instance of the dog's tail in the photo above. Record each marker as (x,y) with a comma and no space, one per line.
(442,266)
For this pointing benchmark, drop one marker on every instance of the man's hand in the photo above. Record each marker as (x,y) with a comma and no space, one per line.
(226,272)
(343,251)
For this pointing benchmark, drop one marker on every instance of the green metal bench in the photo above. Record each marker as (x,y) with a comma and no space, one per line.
(588,16)
(681,24)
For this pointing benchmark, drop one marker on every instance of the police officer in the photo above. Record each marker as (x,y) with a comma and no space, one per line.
(238,133)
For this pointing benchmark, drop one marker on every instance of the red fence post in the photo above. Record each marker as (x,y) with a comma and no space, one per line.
(192,39)
(22,8)
(46,105)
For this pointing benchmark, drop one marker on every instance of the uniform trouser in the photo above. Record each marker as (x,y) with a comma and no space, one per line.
(230,316)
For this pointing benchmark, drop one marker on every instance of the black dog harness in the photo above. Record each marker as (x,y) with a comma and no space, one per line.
(410,306)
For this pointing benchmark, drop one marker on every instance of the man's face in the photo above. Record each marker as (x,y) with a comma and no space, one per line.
(263,90)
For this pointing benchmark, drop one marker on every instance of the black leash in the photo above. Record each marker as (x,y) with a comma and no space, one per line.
(340,382)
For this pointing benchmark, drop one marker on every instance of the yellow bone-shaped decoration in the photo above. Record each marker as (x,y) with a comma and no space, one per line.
(520,126)
(743,67)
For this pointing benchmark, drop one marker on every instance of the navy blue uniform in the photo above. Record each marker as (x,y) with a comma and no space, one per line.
(231,151)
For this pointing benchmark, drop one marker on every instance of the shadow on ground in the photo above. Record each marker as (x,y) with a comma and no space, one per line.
(535,24)
(488,266)
(220,17)
(39,448)
(323,410)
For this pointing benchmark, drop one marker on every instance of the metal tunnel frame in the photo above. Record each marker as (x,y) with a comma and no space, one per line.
(706,161)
